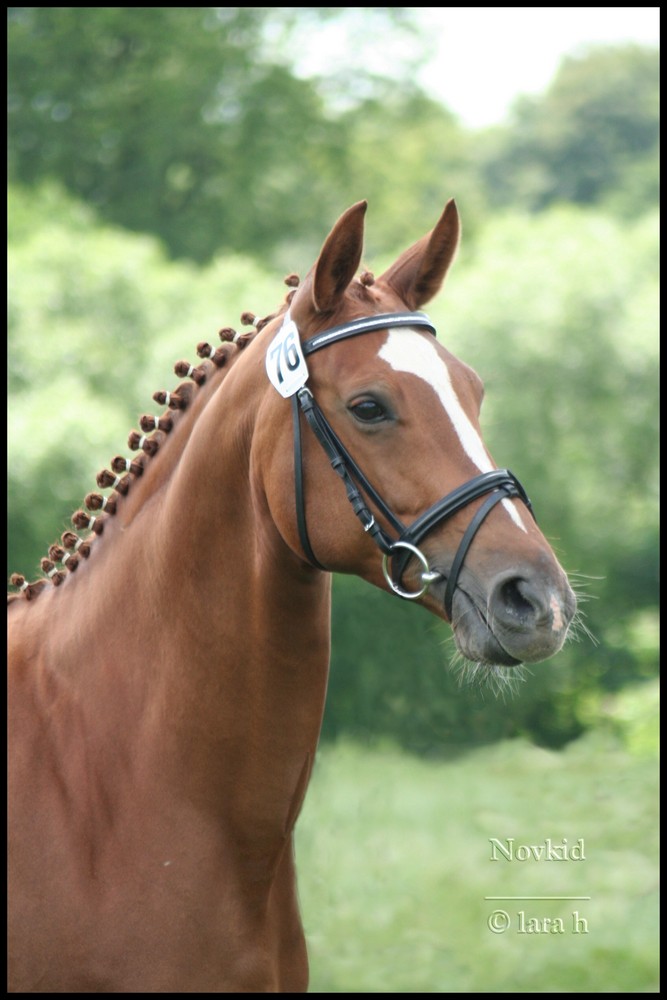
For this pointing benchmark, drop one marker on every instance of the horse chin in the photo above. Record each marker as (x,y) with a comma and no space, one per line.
(483,648)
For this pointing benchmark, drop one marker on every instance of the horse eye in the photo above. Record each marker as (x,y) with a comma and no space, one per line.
(369,411)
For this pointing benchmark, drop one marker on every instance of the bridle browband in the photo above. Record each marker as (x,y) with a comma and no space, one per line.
(496,485)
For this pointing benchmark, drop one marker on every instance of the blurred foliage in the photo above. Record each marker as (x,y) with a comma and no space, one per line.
(403,180)
(632,716)
(556,313)
(179,121)
(591,139)
(194,124)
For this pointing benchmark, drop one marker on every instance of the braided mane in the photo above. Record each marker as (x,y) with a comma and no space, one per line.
(66,555)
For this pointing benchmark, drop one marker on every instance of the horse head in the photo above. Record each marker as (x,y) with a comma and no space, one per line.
(397,416)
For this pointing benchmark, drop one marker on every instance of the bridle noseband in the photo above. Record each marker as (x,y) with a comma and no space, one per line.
(288,372)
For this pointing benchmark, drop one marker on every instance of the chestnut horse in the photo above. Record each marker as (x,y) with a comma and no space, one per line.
(166,698)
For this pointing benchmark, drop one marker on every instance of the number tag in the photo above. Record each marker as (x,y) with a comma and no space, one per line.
(285,363)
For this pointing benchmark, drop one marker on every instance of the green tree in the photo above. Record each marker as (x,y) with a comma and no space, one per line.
(409,154)
(184,122)
(591,138)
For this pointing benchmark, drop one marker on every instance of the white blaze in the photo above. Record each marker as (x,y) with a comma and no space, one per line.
(408,351)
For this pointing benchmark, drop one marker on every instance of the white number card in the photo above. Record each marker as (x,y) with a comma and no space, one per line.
(285,364)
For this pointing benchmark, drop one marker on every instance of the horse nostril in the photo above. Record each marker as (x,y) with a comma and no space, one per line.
(528,613)
(516,599)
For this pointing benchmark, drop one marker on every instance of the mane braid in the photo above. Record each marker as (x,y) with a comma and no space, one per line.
(72,548)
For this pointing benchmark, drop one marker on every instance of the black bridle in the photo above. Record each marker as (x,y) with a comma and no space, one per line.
(499,484)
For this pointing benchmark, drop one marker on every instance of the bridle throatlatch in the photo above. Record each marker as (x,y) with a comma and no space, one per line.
(287,369)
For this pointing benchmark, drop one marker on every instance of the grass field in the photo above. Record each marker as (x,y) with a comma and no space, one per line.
(394,856)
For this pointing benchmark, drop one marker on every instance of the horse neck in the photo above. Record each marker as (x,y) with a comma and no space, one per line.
(191,608)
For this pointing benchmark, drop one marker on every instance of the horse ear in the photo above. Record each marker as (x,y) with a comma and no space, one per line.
(419,272)
(339,259)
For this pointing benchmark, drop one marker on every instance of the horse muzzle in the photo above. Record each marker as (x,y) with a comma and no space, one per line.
(519,617)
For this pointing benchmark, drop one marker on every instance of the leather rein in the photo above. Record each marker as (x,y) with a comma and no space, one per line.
(288,362)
